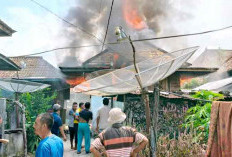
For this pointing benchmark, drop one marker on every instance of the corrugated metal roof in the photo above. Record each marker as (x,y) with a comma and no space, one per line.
(5,30)
(7,64)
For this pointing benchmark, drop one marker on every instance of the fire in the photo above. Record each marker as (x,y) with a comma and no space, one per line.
(75,81)
(132,16)
(184,80)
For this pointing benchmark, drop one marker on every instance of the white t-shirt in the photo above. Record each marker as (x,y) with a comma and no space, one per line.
(103,112)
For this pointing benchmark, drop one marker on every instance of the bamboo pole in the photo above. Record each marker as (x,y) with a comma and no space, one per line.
(144,96)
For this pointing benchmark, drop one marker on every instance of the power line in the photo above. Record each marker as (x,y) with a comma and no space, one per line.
(55,49)
(73,25)
(183,35)
(114,43)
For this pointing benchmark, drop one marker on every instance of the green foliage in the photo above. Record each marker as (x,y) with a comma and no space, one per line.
(208,95)
(198,117)
(35,103)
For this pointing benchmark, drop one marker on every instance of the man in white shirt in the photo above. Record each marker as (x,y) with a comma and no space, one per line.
(102,116)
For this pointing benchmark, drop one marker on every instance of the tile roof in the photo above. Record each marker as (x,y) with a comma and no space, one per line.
(212,58)
(36,68)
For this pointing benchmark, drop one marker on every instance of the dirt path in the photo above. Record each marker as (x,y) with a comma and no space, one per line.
(68,152)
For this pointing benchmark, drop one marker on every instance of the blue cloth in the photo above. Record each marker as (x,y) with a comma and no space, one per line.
(83,130)
(51,146)
(86,115)
(57,124)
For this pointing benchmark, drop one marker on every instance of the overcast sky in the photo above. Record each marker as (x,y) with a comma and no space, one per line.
(38,30)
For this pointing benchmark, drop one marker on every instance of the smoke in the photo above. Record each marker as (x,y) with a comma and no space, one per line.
(139,18)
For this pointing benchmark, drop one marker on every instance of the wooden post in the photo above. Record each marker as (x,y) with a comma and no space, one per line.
(24,127)
(3,115)
(155,120)
(147,111)
(17,110)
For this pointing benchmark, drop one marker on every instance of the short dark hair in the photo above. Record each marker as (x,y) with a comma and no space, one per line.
(80,104)
(106,101)
(74,103)
(87,105)
(47,118)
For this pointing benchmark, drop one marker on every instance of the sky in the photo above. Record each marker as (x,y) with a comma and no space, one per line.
(38,30)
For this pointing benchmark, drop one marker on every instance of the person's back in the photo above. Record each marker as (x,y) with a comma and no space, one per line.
(103,113)
(118,139)
(57,124)
(51,146)
(102,116)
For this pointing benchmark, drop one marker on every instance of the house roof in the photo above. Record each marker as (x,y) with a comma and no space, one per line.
(35,68)
(216,85)
(5,30)
(7,64)
(213,58)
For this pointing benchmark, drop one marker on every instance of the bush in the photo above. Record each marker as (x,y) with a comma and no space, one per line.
(35,103)
(198,117)
(183,146)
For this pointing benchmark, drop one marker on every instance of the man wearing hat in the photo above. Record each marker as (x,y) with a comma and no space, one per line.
(57,127)
(118,139)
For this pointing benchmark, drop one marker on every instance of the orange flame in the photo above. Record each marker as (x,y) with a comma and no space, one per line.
(132,16)
(75,81)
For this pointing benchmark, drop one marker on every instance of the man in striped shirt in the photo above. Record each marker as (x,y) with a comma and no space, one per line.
(118,139)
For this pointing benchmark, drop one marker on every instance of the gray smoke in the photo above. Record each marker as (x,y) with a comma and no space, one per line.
(91,16)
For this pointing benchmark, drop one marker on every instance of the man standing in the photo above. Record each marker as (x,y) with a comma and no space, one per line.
(118,139)
(102,116)
(83,128)
(72,130)
(76,118)
(50,145)
(57,127)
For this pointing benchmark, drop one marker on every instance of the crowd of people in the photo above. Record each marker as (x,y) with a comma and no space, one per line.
(113,140)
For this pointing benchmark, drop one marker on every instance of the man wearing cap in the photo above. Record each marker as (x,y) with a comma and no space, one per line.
(118,139)
(57,127)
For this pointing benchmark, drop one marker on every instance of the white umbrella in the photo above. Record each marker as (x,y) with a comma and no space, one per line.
(124,80)
(21,86)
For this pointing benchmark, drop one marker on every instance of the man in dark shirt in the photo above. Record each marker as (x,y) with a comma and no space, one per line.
(83,128)
(57,127)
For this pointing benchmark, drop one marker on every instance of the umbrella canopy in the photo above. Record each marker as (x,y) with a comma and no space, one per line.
(125,80)
(21,86)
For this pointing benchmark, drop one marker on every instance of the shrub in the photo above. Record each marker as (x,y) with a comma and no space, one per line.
(198,117)
(35,103)
(182,146)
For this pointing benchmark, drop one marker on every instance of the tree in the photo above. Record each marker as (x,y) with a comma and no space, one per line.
(35,103)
